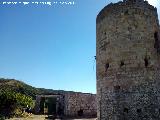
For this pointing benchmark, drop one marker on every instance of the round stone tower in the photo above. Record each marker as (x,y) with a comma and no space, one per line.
(128,61)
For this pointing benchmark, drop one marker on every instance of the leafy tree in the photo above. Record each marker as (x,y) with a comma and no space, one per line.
(10,101)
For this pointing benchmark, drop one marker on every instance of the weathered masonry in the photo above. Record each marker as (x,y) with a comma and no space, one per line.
(67,104)
(80,104)
(128,61)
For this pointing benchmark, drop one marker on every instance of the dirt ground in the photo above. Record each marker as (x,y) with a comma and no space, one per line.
(41,117)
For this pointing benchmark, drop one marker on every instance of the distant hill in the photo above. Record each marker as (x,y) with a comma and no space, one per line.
(23,88)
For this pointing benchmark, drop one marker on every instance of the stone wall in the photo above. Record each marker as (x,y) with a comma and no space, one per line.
(80,104)
(128,61)
(59,101)
(74,104)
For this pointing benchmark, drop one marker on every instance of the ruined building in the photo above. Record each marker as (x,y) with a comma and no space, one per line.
(128,61)
(67,104)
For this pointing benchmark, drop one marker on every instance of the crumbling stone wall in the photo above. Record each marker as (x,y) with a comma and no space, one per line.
(74,104)
(59,102)
(128,59)
(80,104)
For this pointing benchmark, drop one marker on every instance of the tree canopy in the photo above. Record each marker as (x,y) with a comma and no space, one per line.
(10,101)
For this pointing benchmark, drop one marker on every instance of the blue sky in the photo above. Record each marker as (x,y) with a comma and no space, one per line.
(50,46)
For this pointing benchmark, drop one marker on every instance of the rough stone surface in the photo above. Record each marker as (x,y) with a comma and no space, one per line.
(59,103)
(128,59)
(77,103)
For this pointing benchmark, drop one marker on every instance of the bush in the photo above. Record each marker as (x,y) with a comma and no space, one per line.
(12,103)
(2,117)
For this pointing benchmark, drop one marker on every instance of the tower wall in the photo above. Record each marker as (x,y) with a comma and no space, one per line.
(128,59)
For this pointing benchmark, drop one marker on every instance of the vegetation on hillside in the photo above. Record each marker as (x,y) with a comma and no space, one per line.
(18,87)
(21,87)
(15,96)
(12,104)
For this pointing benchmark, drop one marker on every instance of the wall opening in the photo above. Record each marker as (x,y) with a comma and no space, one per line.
(80,112)
(126,12)
(156,40)
(125,110)
(146,62)
(122,63)
(117,88)
(106,66)
(156,44)
(156,35)
(139,110)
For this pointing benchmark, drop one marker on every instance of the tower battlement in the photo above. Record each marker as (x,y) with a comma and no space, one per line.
(140,6)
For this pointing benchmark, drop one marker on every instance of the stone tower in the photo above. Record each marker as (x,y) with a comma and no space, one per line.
(128,61)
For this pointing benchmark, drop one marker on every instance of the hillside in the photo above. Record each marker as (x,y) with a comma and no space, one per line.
(23,88)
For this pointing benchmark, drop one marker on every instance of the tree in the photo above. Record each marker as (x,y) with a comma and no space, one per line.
(10,101)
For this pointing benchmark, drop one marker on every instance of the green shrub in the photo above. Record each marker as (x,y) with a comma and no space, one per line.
(2,117)
(11,102)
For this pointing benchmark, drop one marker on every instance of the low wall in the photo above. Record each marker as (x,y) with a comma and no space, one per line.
(73,104)
(80,104)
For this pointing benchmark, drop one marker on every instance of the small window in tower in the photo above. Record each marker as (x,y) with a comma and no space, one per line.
(105,33)
(117,88)
(122,63)
(156,35)
(126,12)
(125,110)
(80,112)
(107,66)
(156,44)
(139,110)
(146,62)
